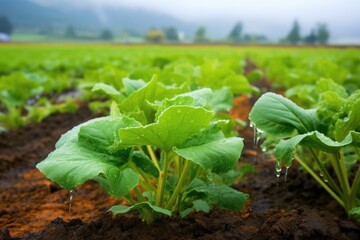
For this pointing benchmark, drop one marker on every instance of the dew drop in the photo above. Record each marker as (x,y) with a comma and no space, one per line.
(278,169)
(263,148)
(70,199)
(255,139)
(286,172)
(323,177)
(178,111)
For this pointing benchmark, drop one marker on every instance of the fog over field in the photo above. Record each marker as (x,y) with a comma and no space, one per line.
(272,18)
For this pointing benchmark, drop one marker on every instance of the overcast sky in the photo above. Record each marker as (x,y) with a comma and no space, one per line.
(342,16)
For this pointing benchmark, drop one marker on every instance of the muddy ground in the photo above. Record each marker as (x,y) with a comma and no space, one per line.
(32,207)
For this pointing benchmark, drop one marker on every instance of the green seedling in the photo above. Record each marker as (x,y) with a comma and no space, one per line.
(324,143)
(161,156)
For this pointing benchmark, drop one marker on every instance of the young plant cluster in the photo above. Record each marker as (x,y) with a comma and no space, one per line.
(324,140)
(162,149)
(21,101)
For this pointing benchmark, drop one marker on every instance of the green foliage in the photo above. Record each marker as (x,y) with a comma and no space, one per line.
(200,35)
(323,34)
(321,143)
(5,25)
(155,36)
(171,34)
(235,34)
(19,97)
(157,142)
(294,35)
(311,38)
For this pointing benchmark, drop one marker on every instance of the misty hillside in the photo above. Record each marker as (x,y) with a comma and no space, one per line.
(25,14)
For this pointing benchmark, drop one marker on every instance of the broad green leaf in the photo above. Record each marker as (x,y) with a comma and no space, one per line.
(352,121)
(197,98)
(100,135)
(329,107)
(140,99)
(124,209)
(71,165)
(328,85)
(132,85)
(78,159)
(355,213)
(117,182)
(238,84)
(211,150)
(215,74)
(110,91)
(198,205)
(177,101)
(202,97)
(222,100)
(285,149)
(223,196)
(174,126)
(144,163)
(201,205)
(280,117)
(72,134)
(187,70)
(255,75)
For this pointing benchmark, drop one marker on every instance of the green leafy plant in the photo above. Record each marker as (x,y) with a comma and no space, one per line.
(326,144)
(163,155)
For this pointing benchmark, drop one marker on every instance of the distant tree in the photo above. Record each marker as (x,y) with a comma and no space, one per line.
(200,35)
(311,38)
(235,34)
(155,35)
(253,38)
(294,35)
(171,34)
(323,34)
(70,32)
(106,34)
(5,25)
(247,38)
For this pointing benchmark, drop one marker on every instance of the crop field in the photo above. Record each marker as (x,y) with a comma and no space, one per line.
(179,142)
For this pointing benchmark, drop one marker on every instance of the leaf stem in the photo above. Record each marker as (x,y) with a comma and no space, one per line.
(145,178)
(179,184)
(162,180)
(153,157)
(326,173)
(321,182)
(354,188)
(343,179)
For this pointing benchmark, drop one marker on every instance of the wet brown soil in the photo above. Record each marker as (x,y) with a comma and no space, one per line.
(31,207)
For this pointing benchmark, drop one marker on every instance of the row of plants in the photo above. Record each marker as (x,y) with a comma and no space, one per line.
(317,123)
(306,66)
(166,145)
(39,82)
